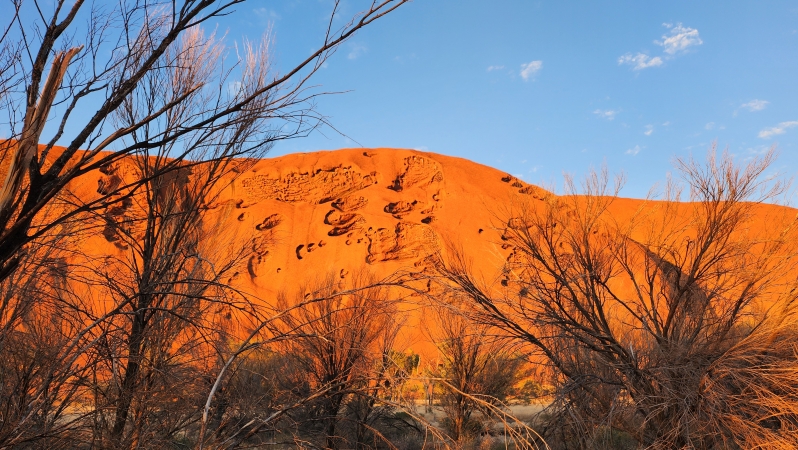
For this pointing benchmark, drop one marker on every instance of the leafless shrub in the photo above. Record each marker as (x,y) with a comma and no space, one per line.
(171,301)
(656,326)
(138,76)
(475,368)
(122,352)
(343,342)
(41,378)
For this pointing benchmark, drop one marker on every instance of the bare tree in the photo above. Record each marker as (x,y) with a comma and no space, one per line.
(118,349)
(141,88)
(41,384)
(104,58)
(172,301)
(655,326)
(475,369)
(344,349)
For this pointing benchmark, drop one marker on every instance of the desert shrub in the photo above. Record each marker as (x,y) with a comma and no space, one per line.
(674,328)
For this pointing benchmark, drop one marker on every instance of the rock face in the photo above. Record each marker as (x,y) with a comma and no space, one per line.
(305,216)
(317,185)
(353,211)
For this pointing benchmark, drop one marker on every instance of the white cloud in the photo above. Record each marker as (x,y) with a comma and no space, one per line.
(778,129)
(266,13)
(401,59)
(234,88)
(755,105)
(529,70)
(649,130)
(665,124)
(634,150)
(492,68)
(608,114)
(759,149)
(680,39)
(356,51)
(640,61)
(709,126)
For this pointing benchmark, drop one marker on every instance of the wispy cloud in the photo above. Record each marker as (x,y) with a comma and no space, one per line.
(679,39)
(778,129)
(676,41)
(755,105)
(530,69)
(649,130)
(266,13)
(234,88)
(608,114)
(758,150)
(634,150)
(492,68)
(356,50)
(709,126)
(640,61)
(401,59)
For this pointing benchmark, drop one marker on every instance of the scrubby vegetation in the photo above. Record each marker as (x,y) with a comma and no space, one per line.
(674,328)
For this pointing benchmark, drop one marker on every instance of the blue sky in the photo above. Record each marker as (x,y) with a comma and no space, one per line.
(538,88)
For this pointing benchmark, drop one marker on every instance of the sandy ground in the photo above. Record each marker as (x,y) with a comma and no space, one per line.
(524,413)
